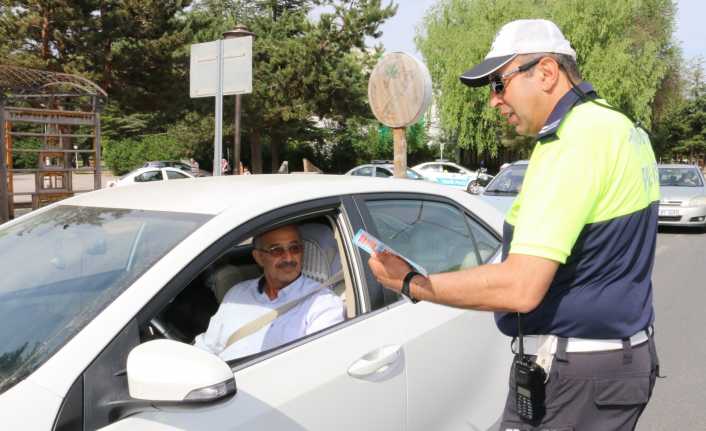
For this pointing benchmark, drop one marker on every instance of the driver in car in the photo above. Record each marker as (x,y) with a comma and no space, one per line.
(281,306)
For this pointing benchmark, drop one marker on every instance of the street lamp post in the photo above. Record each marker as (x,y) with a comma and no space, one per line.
(238,31)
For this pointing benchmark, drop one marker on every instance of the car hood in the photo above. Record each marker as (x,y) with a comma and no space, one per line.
(501,203)
(680,194)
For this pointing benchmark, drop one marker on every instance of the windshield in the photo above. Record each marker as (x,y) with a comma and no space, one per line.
(413,175)
(61,267)
(508,182)
(679,177)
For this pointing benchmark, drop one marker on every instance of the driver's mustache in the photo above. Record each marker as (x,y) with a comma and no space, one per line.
(285,264)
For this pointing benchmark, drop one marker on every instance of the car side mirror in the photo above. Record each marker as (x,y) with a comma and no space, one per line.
(474,188)
(170,371)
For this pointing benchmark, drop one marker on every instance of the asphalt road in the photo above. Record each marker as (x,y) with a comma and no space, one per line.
(679,400)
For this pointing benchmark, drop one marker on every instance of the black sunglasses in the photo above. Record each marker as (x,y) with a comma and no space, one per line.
(497,82)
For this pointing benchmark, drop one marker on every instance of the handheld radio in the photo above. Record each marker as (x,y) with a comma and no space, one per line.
(529,383)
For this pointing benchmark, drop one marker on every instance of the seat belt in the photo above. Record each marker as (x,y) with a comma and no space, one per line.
(262,321)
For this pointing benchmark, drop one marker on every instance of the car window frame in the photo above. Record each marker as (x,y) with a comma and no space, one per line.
(180,173)
(500,175)
(140,175)
(359,171)
(375,289)
(448,168)
(278,217)
(386,172)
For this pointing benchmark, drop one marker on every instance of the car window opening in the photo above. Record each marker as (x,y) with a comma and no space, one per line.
(190,312)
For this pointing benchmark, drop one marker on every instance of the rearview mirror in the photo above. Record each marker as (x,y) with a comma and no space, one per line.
(166,370)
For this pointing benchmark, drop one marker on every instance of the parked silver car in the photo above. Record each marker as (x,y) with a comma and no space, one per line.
(382,169)
(683,201)
(504,188)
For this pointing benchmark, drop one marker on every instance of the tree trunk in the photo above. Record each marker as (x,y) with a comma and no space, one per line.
(255,153)
(45,34)
(275,148)
(107,79)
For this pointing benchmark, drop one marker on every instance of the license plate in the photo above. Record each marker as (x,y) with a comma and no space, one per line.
(668,212)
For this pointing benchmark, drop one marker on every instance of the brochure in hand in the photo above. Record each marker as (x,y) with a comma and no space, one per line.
(369,243)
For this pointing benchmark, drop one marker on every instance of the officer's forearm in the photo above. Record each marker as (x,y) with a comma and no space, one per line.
(517,284)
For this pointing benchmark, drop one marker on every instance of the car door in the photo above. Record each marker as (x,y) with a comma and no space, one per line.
(456,361)
(347,377)
(454,176)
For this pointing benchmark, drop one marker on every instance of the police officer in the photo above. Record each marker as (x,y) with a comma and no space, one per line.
(578,242)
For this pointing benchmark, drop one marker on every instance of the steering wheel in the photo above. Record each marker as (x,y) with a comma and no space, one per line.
(158,329)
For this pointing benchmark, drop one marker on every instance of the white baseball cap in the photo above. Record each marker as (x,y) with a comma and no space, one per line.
(524,36)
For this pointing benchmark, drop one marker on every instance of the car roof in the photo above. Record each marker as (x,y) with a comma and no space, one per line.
(436,162)
(213,195)
(154,168)
(676,165)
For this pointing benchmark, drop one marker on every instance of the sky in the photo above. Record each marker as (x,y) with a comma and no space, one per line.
(398,31)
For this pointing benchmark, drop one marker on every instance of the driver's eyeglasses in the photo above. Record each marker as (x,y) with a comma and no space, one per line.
(279,250)
(497,82)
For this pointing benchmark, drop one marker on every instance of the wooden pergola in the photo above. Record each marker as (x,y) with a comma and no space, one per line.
(55,116)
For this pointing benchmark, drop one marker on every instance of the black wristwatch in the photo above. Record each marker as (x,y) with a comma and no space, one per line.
(405,286)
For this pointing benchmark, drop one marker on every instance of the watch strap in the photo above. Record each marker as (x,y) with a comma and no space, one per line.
(405,285)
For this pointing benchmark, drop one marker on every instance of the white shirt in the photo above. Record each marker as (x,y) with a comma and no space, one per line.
(244,303)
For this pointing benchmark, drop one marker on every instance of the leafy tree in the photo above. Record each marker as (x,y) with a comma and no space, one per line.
(683,131)
(376,143)
(36,33)
(26,160)
(304,72)
(136,50)
(127,154)
(624,48)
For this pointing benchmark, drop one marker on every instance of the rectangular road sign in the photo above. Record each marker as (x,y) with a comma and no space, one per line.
(237,67)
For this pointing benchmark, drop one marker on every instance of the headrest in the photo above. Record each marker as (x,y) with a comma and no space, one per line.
(321,260)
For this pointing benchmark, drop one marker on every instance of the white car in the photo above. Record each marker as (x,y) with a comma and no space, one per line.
(149,174)
(447,173)
(381,170)
(103,293)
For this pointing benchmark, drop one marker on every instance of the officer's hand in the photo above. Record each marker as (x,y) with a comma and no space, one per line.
(389,270)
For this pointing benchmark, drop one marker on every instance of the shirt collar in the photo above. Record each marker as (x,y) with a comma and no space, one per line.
(261,283)
(568,101)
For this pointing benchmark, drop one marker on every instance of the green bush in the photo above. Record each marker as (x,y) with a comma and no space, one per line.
(23,160)
(124,155)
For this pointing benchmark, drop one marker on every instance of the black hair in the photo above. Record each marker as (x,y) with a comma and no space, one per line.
(566,62)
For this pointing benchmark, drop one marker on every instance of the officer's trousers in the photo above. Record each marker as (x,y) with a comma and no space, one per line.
(592,391)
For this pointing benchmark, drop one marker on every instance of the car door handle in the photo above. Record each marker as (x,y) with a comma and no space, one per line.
(376,361)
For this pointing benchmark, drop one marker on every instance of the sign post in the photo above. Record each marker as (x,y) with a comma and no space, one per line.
(218,135)
(239,31)
(399,91)
(218,68)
